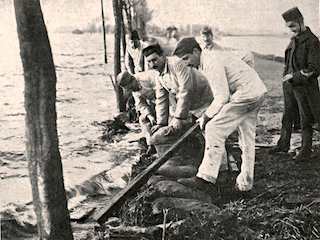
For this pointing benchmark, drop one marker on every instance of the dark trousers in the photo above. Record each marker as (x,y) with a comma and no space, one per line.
(296,103)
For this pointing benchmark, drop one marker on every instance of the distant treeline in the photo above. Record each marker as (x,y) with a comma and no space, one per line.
(188,29)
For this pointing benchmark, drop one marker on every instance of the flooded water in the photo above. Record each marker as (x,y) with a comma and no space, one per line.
(261,44)
(84,95)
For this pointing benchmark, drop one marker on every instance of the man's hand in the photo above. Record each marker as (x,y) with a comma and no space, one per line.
(155,128)
(203,120)
(287,77)
(151,119)
(176,123)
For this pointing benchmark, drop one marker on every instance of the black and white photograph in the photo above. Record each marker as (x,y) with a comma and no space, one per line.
(159,120)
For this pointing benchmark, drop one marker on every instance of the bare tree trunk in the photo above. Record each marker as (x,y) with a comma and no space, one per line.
(127,10)
(44,161)
(117,63)
(123,28)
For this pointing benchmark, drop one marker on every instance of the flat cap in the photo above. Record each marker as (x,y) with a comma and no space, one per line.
(206,30)
(124,78)
(186,46)
(152,48)
(292,14)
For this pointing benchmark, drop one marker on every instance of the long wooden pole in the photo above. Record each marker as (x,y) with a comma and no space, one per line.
(104,34)
(101,215)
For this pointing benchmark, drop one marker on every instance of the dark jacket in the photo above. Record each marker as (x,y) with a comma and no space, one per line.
(306,67)
(305,57)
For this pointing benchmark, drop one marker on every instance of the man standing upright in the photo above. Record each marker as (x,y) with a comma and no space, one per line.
(209,46)
(134,60)
(300,85)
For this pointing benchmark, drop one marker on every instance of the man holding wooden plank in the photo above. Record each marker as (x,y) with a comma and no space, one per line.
(238,94)
(176,81)
(142,86)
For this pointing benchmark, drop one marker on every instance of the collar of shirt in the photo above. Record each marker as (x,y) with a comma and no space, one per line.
(209,47)
(165,69)
(302,35)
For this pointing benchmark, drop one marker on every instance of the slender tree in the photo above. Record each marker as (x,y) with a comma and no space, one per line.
(104,34)
(123,28)
(138,15)
(44,161)
(117,55)
(127,9)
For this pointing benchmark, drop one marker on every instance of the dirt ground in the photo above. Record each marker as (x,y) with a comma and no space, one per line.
(284,203)
(285,200)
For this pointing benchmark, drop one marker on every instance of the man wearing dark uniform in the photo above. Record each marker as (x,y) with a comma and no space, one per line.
(300,85)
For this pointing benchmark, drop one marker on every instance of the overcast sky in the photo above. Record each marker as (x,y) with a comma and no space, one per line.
(228,15)
(233,14)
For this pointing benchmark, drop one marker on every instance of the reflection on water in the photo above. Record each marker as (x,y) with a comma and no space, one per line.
(84,95)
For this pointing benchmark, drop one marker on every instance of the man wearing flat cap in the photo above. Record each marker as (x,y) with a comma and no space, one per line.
(300,84)
(238,94)
(186,86)
(142,86)
(134,60)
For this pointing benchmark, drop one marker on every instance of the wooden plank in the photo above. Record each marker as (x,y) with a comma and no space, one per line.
(257,145)
(101,215)
(316,129)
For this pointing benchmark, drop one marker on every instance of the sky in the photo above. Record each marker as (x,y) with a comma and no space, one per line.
(229,15)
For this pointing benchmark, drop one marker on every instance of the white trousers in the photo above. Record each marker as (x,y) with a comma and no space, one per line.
(241,116)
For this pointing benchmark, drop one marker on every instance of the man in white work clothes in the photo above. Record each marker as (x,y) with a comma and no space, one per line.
(176,81)
(133,59)
(238,94)
(209,45)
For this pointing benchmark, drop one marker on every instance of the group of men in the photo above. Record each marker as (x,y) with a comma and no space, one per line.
(222,90)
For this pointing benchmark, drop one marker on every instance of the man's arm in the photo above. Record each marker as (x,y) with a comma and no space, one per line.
(313,64)
(141,104)
(219,84)
(162,104)
(185,89)
(128,62)
(245,56)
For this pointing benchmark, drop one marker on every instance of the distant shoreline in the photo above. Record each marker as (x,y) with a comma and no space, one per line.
(255,35)
(270,57)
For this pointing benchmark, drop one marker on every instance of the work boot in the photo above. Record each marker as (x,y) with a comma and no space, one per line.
(143,142)
(242,194)
(197,183)
(303,156)
(316,127)
(278,149)
(305,153)
(151,150)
